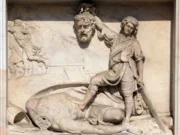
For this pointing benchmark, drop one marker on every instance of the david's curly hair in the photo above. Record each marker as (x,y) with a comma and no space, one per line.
(132,20)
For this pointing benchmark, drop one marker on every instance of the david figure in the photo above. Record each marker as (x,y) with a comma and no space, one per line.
(125,63)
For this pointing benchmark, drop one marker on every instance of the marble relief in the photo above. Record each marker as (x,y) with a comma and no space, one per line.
(67,84)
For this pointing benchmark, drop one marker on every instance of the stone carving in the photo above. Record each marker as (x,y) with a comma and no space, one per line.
(54,112)
(84,24)
(121,86)
(58,112)
(25,57)
(125,65)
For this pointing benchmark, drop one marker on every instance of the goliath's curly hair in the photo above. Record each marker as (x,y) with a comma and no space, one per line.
(86,17)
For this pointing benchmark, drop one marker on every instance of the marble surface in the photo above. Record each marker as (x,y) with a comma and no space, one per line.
(154,35)
(2,67)
(69,62)
(176,73)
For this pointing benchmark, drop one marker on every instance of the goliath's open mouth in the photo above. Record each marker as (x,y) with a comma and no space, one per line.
(83,35)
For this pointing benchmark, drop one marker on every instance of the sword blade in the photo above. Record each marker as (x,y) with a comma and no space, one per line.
(152,108)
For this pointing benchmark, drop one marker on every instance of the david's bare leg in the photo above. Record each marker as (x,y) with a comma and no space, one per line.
(129,108)
(95,82)
(88,97)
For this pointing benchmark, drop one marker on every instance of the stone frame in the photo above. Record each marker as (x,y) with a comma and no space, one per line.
(176,72)
(175,66)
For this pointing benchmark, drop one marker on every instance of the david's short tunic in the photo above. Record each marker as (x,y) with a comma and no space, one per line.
(125,52)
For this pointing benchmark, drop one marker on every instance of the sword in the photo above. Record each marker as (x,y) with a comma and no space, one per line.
(152,110)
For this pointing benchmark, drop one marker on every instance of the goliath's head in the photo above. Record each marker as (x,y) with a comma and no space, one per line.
(84,25)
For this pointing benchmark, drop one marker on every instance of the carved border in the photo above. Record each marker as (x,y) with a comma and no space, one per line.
(175,67)
(176,95)
(3,39)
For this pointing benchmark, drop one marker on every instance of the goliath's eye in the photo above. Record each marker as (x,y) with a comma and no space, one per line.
(86,26)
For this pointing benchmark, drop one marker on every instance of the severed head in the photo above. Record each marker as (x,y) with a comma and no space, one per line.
(84,25)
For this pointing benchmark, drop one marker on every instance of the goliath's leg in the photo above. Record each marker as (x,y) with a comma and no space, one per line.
(113,115)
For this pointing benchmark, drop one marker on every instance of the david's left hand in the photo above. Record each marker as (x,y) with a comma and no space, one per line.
(140,82)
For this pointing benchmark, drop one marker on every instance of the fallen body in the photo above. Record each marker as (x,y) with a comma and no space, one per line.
(58,112)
